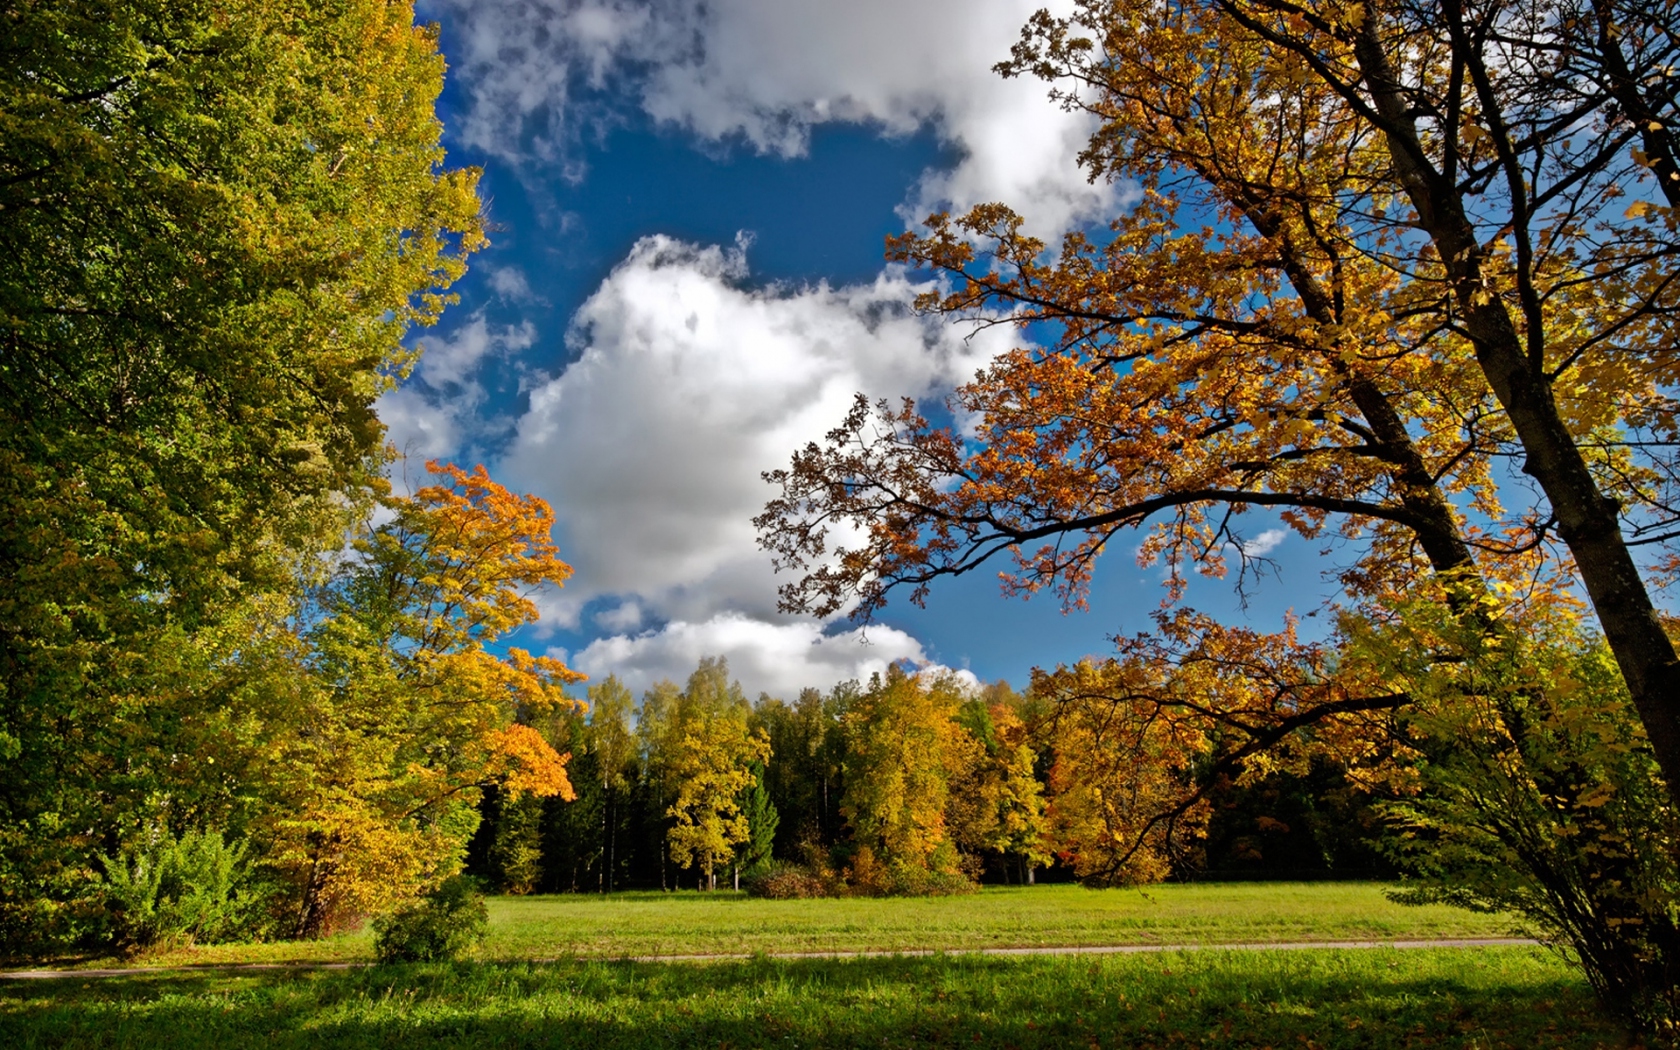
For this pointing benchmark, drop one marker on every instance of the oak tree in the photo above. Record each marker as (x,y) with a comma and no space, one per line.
(1378,251)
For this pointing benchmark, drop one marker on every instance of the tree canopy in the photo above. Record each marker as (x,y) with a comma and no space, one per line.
(1382,257)
(218,220)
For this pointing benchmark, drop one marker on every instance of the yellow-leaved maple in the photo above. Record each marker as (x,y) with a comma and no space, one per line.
(412,709)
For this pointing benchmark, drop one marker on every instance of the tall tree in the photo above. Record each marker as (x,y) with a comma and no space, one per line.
(904,747)
(413,708)
(711,760)
(1379,247)
(613,745)
(217,222)
(997,802)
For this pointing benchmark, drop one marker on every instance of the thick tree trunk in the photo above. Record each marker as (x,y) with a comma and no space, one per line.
(1587,520)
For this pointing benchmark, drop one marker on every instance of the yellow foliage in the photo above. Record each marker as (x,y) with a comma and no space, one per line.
(413,711)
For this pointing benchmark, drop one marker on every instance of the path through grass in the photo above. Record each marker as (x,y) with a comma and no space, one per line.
(638,924)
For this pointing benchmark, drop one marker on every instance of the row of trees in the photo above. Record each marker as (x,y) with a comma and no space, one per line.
(894,783)
(910,783)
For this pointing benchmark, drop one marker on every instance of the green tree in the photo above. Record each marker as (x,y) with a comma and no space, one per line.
(762,822)
(804,782)
(1537,792)
(217,223)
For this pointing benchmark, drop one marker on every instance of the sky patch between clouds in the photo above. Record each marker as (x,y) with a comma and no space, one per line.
(680,379)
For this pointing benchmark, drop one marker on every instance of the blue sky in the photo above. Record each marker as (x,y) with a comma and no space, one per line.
(686,283)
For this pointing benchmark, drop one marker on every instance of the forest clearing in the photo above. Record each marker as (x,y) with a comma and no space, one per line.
(1313,361)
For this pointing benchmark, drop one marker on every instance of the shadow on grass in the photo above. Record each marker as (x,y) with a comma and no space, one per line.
(1517,998)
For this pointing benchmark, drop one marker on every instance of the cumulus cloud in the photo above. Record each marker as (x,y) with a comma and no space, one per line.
(688,385)
(779,659)
(537,72)
(436,413)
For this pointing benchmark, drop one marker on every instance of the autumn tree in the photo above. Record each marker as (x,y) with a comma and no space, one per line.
(413,708)
(613,745)
(219,222)
(1378,250)
(712,752)
(904,747)
(997,802)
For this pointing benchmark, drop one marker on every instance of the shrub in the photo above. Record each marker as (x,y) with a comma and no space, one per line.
(169,891)
(778,880)
(939,876)
(439,926)
(1539,796)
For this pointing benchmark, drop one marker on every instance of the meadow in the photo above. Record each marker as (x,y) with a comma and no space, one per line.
(593,994)
(1373,998)
(625,925)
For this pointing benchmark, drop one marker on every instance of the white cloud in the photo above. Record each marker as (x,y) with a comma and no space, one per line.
(625,616)
(688,386)
(538,74)
(1263,544)
(451,361)
(779,659)
(510,285)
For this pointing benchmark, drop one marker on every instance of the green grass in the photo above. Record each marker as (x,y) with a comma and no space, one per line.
(637,924)
(1374,999)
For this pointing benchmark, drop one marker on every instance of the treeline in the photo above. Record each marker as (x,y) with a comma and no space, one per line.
(909,783)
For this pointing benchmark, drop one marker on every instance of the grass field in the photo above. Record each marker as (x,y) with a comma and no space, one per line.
(637,924)
(1373,999)
(592,997)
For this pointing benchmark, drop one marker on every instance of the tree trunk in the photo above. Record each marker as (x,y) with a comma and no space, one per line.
(1587,519)
(612,845)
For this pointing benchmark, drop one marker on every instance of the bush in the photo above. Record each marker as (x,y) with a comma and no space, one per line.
(778,880)
(437,927)
(939,876)
(1539,796)
(170,891)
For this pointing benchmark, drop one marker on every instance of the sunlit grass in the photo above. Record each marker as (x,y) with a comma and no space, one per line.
(1375,998)
(652,923)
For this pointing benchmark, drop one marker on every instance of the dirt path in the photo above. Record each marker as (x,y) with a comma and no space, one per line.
(1095,949)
